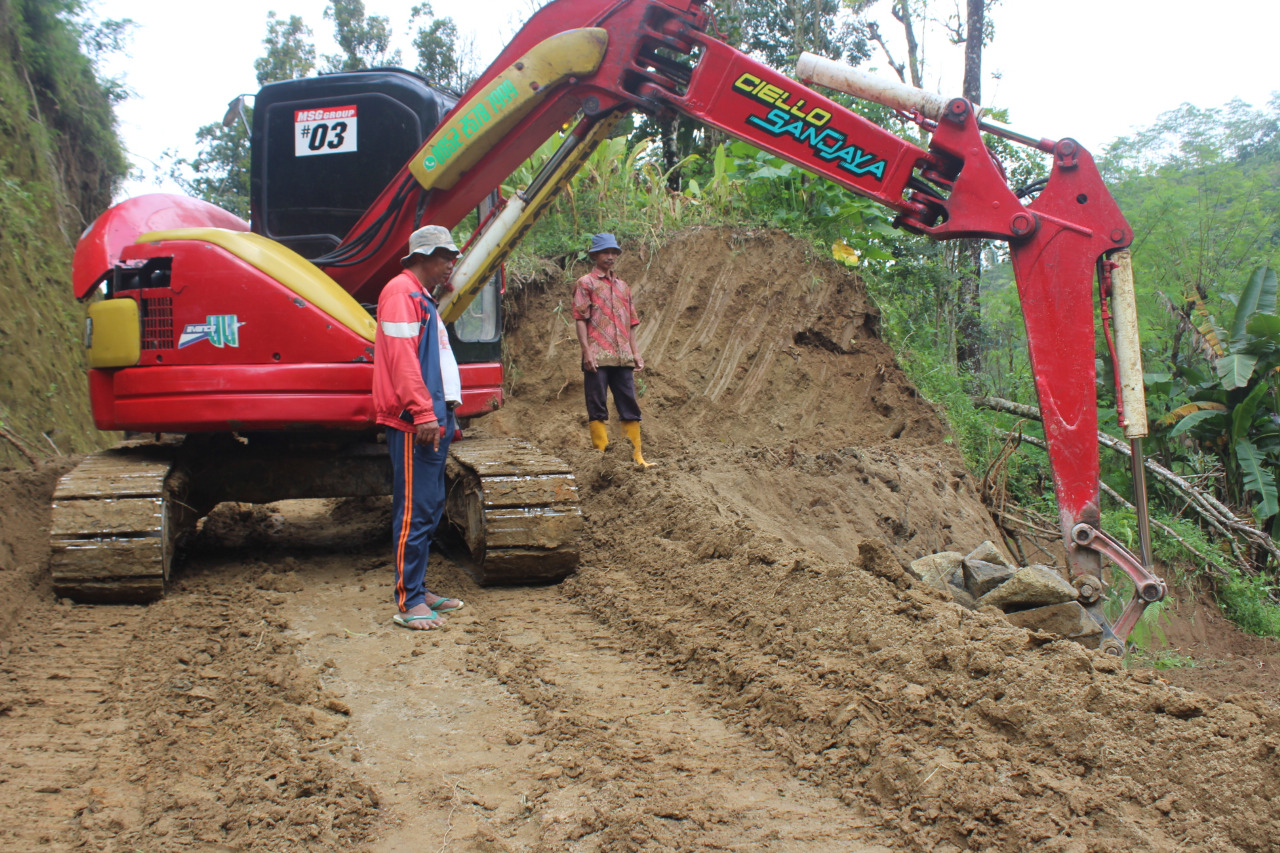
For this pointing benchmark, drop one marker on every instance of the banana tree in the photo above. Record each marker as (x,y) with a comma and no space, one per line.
(1231,409)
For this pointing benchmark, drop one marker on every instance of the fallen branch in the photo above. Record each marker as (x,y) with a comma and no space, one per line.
(1168,531)
(18,443)
(1241,559)
(1214,512)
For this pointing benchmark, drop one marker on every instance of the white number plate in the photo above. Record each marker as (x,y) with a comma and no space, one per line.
(329,130)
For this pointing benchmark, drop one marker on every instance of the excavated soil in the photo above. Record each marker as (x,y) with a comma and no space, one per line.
(741,662)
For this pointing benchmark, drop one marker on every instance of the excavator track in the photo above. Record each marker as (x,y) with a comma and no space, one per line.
(517,509)
(116,518)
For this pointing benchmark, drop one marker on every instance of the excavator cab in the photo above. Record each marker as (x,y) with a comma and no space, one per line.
(324,147)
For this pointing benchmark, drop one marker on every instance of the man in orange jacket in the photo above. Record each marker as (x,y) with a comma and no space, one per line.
(415,379)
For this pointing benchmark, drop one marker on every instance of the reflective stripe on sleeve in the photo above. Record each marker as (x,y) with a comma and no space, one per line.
(400,330)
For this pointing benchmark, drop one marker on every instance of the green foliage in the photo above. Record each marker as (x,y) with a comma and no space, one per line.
(1247,602)
(442,58)
(1163,659)
(71,100)
(756,186)
(777,31)
(1148,635)
(219,173)
(1231,410)
(363,39)
(59,162)
(623,188)
(773,31)
(1202,190)
(101,39)
(289,55)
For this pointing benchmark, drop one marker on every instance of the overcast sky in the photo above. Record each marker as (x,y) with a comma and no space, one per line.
(1091,69)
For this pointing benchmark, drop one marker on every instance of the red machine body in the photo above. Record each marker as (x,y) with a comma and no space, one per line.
(294,367)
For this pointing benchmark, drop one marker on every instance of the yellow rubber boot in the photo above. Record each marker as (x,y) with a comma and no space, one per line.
(631,429)
(599,435)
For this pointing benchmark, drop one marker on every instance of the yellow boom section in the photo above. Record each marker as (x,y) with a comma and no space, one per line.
(479,123)
(500,236)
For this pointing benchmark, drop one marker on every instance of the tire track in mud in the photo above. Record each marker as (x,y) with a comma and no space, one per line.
(638,756)
(186,724)
(61,726)
(529,725)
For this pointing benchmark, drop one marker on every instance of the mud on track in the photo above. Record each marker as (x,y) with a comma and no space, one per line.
(740,663)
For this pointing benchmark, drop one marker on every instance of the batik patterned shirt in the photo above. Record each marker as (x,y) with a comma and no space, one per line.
(604,301)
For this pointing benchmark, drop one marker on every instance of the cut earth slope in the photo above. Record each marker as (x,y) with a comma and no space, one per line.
(741,661)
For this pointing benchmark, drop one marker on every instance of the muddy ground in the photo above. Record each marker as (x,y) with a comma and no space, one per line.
(739,664)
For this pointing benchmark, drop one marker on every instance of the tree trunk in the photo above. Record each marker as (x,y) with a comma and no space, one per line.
(670,151)
(902,12)
(969,344)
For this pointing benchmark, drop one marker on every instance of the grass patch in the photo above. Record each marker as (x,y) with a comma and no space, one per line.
(1247,602)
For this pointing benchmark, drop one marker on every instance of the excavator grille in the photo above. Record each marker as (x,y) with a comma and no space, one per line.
(157,322)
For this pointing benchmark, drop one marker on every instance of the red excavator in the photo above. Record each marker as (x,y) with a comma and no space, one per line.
(246,348)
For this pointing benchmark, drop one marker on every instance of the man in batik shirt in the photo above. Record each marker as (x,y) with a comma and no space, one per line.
(606,320)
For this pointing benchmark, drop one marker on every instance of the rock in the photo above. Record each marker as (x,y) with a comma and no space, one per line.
(987,552)
(937,570)
(1067,619)
(981,577)
(1032,586)
(915,694)
(961,596)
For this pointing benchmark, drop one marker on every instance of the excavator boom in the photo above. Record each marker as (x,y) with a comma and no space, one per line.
(658,57)
(574,69)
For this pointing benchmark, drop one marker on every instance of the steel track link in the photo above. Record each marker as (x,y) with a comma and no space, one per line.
(517,508)
(116,517)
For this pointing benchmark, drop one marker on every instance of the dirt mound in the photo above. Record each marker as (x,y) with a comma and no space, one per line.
(761,357)
(799,471)
(24,532)
(741,661)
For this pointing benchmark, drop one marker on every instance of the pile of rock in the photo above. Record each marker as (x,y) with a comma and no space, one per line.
(1035,597)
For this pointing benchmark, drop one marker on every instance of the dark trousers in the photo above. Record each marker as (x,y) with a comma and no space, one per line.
(417,506)
(621,381)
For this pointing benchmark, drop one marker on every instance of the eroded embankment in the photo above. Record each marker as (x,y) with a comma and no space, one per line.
(741,627)
(765,557)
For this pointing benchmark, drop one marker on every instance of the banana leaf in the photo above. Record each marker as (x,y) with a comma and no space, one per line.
(1235,369)
(1258,479)
(1242,413)
(1258,297)
(1194,418)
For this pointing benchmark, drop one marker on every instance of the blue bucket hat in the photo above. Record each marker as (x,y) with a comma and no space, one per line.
(600,242)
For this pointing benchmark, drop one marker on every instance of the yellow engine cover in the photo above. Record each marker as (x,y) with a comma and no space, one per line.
(113,333)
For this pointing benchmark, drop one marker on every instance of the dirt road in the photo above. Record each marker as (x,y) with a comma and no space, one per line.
(740,663)
(270,705)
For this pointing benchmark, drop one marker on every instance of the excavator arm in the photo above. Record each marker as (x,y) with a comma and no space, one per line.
(582,64)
